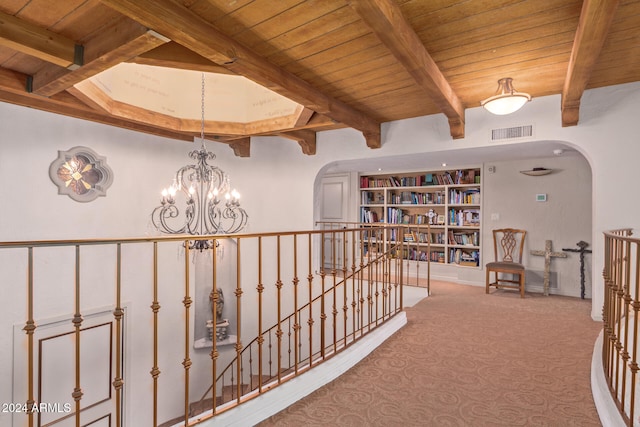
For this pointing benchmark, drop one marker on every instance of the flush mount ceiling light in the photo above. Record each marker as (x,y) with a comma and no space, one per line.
(506,100)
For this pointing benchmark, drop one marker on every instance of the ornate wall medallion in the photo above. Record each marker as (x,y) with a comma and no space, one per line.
(81,174)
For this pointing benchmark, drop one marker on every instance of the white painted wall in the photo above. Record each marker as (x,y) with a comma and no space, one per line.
(565,218)
(277,182)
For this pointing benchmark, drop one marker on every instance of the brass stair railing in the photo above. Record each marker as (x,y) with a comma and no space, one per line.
(620,356)
(294,365)
(322,289)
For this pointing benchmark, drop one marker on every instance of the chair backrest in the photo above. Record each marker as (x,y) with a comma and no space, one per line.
(511,244)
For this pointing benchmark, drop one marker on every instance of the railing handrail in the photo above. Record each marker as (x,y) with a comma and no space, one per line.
(284,320)
(360,273)
(176,238)
(621,319)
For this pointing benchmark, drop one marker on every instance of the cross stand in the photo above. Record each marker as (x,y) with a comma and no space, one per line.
(582,249)
(547,254)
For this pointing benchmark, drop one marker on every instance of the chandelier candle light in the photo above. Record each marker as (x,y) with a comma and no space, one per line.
(211,206)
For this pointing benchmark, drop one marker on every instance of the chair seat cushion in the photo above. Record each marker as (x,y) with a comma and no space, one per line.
(505,266)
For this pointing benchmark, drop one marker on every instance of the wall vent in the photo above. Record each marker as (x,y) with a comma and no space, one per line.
(512,133)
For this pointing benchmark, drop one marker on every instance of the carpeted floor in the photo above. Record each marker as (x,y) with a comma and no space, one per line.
(468,359)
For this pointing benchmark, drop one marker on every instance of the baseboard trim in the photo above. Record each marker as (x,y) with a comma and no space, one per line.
(607,409)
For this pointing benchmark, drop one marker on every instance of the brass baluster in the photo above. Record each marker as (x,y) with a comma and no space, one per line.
(214,313)
(345,307)
(30,328)
(310,282)
(323,316)
(633,366)
(354,255)
(155,308)
(296,323)
(238,345)
(260,290)
(118,313)
(624,301)
(334,272)
(77,323)
(186,363)
(364,235)
(279,312)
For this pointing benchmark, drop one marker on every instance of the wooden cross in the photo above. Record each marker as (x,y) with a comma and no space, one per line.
(547,254)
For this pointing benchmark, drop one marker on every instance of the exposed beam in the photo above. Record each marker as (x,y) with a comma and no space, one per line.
(12,91)
(595,19)
(306,139)
(385,19)
(241,147)
(173,55)
(122,41)
(38,42)
(190,30)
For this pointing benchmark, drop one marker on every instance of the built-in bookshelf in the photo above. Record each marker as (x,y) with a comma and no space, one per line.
(450,201)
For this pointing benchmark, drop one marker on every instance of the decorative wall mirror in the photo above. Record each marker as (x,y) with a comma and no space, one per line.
(81,174)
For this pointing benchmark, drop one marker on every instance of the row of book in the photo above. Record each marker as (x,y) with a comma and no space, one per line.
(470,196)
(467,239)
(456,256)
(415,254)
(466,258)
(464,217)
(401,216)
(414,198)
(418,237)
(469,176)
(368,216)
(370,198)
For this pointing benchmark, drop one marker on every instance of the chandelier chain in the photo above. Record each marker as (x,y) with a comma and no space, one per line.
(202,110)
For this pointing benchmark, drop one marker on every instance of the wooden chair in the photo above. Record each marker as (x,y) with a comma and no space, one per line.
(508,244)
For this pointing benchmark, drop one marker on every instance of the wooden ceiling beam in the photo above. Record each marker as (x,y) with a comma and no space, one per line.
(595,19)
(385,19)
(241,147)
(190,30)
(173,55)
(119,43)
(12,91)
(306,139)
(37,42)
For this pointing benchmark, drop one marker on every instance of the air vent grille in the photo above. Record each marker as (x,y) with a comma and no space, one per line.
(512,133)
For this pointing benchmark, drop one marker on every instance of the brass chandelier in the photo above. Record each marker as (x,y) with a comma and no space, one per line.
(211,206)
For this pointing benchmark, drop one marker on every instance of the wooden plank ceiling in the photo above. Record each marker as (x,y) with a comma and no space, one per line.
(350,63)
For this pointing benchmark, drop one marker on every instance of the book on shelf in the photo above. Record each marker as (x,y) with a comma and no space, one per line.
(369,216)
(464,197)
(464,217)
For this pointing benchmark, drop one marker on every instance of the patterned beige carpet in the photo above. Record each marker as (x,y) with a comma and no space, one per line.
(468,359)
